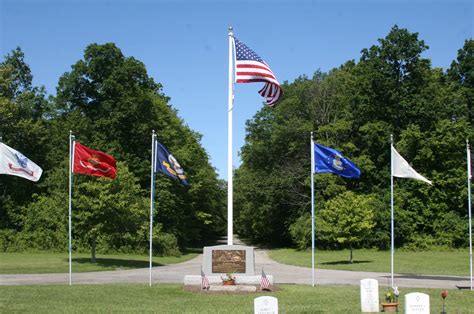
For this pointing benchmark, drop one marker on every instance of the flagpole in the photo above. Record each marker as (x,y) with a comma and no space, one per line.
(469,177)
(152,196)
(71,161)
(391,211)
(230,99)
(312,208)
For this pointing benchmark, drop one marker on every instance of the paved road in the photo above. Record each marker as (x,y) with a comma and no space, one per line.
(281,274)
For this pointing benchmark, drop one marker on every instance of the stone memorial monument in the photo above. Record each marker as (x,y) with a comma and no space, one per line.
(418,303)
(233,259)
(265,305)
(369,295)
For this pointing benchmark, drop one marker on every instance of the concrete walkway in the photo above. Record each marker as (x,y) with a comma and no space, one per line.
(281,273)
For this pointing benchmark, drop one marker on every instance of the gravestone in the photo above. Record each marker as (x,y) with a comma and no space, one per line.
(234,259)
(369,295)
(265,305)
(418,303)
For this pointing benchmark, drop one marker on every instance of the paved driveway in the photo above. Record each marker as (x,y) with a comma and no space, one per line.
(281,274)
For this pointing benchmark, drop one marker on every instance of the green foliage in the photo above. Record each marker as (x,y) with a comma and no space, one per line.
(111,104)
(23,110)
(300,232)
(347,219)
(355,108)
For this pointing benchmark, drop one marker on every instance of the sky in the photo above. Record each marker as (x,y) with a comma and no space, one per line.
(184,45)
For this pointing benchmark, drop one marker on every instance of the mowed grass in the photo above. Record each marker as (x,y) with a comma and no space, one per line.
(172,298)
(47,262)
(455,263)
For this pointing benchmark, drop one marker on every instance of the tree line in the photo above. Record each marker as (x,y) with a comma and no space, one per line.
(391,89)
(111,104)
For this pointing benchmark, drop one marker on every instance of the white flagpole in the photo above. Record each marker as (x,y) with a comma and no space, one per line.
(312,207)
(230,99)
(72,143)
(391,211)
(469,177)
(152,198)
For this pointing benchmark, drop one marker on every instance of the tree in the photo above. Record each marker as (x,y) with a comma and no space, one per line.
(462,74)
(109,100)
(22,126)
(110,210)
(347,219)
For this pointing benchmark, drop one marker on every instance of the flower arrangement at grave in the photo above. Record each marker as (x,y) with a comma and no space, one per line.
(228,280)
(391,300)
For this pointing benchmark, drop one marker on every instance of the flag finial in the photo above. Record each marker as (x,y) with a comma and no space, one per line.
(231,31)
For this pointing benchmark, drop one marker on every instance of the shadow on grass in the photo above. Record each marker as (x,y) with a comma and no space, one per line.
(115,262)
(345,262)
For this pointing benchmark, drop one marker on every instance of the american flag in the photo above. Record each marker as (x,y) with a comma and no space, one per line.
(264,282)
(251,68)
(204,281)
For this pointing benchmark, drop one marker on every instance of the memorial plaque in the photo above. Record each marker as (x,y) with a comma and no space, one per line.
(228,261)
(222,259)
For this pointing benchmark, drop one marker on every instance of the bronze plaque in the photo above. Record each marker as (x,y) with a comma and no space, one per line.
(228,261)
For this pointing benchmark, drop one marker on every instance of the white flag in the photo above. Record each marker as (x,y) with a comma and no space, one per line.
(401,168)
(14,163)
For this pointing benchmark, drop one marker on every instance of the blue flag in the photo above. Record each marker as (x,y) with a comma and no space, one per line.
(166,163)
(330,160)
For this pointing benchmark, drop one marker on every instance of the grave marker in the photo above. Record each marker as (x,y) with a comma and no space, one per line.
(418,303)
(265,305)
(369,295)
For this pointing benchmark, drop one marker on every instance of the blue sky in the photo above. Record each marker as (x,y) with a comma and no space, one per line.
(184,44)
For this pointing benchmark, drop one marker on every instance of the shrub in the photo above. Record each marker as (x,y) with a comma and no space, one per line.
(300,232)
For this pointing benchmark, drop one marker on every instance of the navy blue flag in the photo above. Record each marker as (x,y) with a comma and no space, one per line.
(330,160)
(166,163)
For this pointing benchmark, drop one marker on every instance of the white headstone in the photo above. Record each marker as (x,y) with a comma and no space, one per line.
(417,303)
(369,295)
(265,305)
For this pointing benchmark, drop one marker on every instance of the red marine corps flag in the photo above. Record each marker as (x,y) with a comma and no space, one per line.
(85,160)
(93,162)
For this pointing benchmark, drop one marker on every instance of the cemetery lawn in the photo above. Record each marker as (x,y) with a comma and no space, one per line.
(172,298)
(454,263)
(48,262)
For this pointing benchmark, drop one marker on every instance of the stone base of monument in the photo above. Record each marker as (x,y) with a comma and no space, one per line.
(195,280)
(221,261)
(233,288)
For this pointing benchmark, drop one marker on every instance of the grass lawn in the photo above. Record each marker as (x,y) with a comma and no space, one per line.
(171,298)
(454,263)
(46,262)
